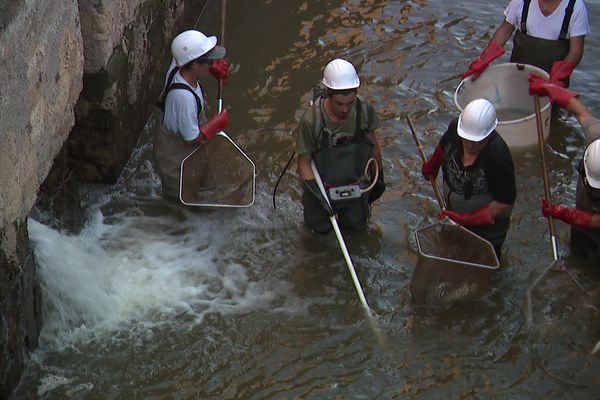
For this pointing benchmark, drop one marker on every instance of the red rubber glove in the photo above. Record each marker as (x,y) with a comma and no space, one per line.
(220,69)
(557,94)
(216,123)
(431,167)
(481,216)
(561,71)
(571,216)
(478,65)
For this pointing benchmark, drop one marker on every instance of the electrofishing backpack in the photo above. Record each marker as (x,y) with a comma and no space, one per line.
(342,162)
(362,123)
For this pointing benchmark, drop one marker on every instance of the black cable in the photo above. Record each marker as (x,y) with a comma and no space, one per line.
(279,179)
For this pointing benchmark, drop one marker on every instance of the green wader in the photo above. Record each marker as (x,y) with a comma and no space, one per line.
(340,164)
(169,147)
(169,151)
(537,51)
(540,52)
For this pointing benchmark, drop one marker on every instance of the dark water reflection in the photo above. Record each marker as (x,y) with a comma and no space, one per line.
(293,326)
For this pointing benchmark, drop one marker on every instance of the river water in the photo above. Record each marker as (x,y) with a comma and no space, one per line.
(155,302)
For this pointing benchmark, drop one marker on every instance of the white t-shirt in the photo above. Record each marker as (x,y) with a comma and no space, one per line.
(548,27)
(181,110)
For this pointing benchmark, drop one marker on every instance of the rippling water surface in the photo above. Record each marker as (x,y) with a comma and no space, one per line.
(152,301)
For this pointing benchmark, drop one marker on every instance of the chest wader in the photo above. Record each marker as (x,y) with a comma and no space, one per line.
(586,240)
(340,163)
(537,51)
(457,199)
(169,147)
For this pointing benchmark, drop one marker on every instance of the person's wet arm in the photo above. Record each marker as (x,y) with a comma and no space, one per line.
(304,144)
(304,170)
(576,49)
(503,33)
(576,107)
(595,221)
(590,125)
(499,209)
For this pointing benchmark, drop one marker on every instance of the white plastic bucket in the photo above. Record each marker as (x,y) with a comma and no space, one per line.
(507,87)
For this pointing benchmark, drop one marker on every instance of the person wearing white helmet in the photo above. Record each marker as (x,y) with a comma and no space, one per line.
(182,102)
(549,34)
(337,132)
(585,217)
(478,173)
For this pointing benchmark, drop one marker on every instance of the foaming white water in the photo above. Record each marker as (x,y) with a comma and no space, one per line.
(141,262)
(143,271)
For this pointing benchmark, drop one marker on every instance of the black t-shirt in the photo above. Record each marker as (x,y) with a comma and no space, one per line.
(492,172)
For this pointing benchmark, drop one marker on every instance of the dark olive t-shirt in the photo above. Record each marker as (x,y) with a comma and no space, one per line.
(306,137)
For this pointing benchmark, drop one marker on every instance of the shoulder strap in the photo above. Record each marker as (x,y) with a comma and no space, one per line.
(172,75)
(183,86)
(322,140)
(160,103)
(361,112)
(524,13)
(566,20)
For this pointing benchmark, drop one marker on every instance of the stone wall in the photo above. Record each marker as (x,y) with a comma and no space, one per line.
(41,65)
(127,48)
(79,80)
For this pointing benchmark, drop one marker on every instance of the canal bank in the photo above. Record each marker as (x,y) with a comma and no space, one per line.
(80,79)
(151,301)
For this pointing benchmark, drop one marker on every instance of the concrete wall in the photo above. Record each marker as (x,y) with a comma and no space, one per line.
(79,80)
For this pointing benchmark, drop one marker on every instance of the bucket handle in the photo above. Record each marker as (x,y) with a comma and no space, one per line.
(458,89)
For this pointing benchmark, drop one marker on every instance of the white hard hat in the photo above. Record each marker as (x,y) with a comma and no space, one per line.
(340,74)
(190,45)
(591,164)
(477,120)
